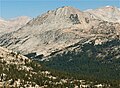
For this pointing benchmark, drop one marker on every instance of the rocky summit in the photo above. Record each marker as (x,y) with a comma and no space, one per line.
(63,27)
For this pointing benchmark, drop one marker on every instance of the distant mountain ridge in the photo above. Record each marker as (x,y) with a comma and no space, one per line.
(70,44)
(62,27)
(108,13)
(13,24)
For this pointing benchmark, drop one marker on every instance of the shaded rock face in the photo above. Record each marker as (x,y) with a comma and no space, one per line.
(58,29)
(34,55)
(74,18)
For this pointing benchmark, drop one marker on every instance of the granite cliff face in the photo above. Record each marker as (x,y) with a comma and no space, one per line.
(62,27)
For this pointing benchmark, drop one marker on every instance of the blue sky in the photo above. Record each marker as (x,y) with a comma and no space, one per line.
(14,8)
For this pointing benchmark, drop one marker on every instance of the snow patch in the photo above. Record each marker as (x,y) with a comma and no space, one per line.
(108,6)
(119,9)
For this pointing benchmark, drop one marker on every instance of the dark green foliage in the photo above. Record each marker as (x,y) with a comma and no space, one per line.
(87,64)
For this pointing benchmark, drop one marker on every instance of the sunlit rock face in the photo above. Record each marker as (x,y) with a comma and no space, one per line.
(60,28)
(108,13)
(13,24)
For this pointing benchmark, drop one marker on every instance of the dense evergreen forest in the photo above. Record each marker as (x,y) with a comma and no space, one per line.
(94,62)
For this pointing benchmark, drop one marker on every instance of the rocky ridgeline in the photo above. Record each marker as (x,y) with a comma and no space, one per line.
(108,13)
(10,25)
(63,27)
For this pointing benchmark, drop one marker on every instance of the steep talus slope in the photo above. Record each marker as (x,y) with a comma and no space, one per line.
(56,30)
(7,26)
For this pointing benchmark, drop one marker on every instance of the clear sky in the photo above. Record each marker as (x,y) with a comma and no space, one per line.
(14,8)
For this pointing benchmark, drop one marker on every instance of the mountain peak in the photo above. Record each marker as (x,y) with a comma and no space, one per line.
(107,13)
(21,18)
(13,24)
(60,16)
(60,28)
(67,9)
(109,6)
